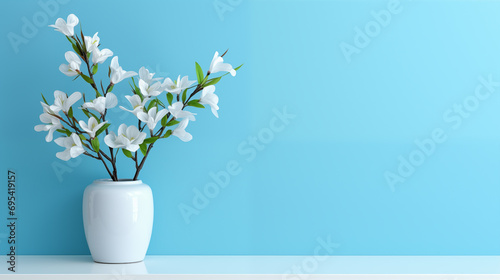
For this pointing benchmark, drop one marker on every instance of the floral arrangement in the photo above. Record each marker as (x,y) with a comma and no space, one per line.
(155,119)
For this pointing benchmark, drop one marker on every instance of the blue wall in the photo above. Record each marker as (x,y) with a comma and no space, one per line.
(391,146)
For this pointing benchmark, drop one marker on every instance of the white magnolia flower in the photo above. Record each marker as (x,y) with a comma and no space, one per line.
(152,117)
(101,103)
(66,27)
(92,127)
(117,73)
(128,138)
(73,145)
(176,111)
(146,76)
(50,122)
(63,102)
(150,90)
(176,88)
(137,104)
(73,66)
(92,42)
(218,65)
(99,56)
(208,97)
(180,131)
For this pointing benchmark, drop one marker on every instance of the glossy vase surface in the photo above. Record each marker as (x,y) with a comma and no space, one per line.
(118,220)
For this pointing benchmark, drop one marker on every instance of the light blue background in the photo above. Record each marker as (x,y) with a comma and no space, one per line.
(323,175)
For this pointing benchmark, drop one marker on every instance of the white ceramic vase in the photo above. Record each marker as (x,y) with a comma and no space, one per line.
(118,220)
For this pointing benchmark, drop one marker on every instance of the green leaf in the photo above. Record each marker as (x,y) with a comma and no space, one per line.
(237,68)
(65,131)
(150,140)
(199,73)
(184,96)
(103,128)
(127,153)
(144,148)
(158,101)
(77,50)
(212,81)
(172,122)
(167,134)
(164,121)
(69,40)
(97,93)
(70,112)
(138,92)
(93,115)
(83,39)
(44,100)
(87,78)
(86,113)
(95,144)
(195,103)
(110,88)
(94,68)
(170,97)
(151,104)
(81,137)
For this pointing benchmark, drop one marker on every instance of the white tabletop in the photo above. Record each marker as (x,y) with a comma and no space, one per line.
(257,267)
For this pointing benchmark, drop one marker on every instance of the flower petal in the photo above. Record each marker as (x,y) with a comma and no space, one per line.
(111,100)
(64,155)
(143,117)
(72,20)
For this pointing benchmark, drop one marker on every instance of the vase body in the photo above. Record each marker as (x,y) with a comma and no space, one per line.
(118,220)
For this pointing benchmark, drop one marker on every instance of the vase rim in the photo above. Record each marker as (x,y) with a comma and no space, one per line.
(120,181)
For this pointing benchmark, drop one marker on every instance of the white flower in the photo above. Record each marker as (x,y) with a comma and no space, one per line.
(176,88)
(63,102)
(176,111)
(152,117)
(180,131)
(73,145)
(128,138)
(101,103)
(73,66)
(150,90)
(92,127)
(137,104)
(92,42)
(208,97)
(218,65)
(146,76)
(66,28)
(99,56)
(50,122)
(117,73)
